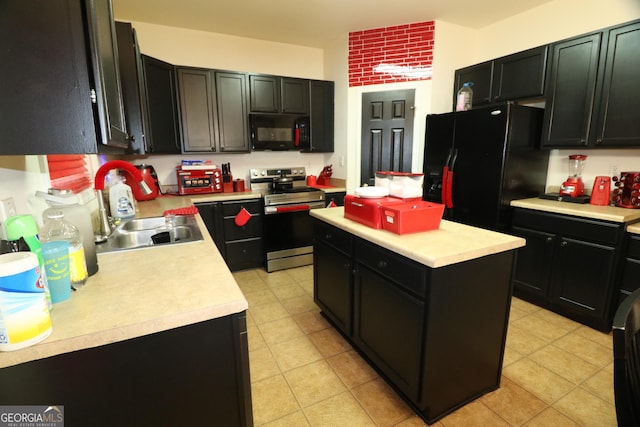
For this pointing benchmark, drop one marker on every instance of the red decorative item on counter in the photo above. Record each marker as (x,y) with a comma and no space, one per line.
(199,181)
(367,211)
(601,191)
(627,191)
(323,178)
(412,217)
(189,210)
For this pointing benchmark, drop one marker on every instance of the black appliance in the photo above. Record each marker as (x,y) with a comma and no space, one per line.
(484,158)
(279,132)
(288,230)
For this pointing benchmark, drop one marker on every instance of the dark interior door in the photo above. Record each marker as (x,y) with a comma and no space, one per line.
(387,133)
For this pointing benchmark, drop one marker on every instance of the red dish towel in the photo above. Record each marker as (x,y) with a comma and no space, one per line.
(242,217)
(190,210)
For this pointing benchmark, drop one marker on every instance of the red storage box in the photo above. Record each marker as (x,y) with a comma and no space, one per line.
(412,217)
(367,211)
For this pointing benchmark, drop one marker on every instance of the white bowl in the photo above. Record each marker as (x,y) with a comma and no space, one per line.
(372,192)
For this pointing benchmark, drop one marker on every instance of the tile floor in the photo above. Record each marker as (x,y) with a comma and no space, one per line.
(303,373)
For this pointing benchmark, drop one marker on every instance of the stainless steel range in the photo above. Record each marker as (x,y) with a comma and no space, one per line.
(287,225)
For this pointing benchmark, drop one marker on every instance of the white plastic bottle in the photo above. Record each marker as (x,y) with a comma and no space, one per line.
(56,228)
(78,215)
(121,201)
(465,97)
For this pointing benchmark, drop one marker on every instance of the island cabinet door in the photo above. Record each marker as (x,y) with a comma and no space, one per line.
(333,290)
(388,328)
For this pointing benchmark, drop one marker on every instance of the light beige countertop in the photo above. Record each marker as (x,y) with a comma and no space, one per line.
(450,244)
(634,228)
(140,292)
(586,210)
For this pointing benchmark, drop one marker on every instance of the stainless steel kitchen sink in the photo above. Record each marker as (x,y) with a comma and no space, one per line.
(151,232)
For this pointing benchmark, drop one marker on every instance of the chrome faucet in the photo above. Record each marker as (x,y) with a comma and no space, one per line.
(105,226)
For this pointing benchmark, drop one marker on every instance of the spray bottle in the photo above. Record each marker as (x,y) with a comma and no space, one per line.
(25,226)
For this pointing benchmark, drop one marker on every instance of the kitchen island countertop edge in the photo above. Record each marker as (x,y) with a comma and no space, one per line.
(450,244)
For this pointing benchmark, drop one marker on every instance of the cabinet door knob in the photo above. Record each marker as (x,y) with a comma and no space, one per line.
(564,243)
(382,264)
(327,236)
(549,239)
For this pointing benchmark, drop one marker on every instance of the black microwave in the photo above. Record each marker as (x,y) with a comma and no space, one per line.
(279,132)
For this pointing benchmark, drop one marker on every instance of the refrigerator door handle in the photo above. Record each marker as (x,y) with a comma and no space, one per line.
(447,179)
(444,193)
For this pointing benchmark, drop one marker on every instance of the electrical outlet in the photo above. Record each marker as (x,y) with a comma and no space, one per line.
(7,209)
(614,169)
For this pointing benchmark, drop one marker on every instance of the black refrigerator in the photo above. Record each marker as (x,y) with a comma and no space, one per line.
(484,158)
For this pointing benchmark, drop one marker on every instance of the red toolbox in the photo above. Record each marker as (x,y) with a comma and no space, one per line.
(412,217)
(367,210)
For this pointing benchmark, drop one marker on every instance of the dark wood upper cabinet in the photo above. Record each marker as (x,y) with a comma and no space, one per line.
(295,95)
(571,86)
(106,74)
(512,77)
(162,106)
(520,75)
(213,110)
(274,94)
(264,94)
(617,121)
(590,90)
(321,112)
(481,75)
(197,109)
(133,94)
(51,62)
(231,95)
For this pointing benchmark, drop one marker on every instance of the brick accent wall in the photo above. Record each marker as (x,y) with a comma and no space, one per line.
(392,54)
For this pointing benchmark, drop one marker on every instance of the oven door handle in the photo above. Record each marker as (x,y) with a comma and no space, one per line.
(282,209)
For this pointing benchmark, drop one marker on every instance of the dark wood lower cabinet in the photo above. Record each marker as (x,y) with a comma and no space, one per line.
(569,265)
(437,335)
(241,246)
(630,276)
(193,375)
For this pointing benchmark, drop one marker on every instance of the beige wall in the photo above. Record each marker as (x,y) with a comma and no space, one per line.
(209,50)
(552,21)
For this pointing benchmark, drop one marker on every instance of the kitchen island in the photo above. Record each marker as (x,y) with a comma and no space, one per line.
(428,310)
(156,337)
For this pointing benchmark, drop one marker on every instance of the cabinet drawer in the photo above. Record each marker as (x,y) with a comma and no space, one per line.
(253,228)
(244,254)
(406,273)
(333,236)
(232,208)
(603,232)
